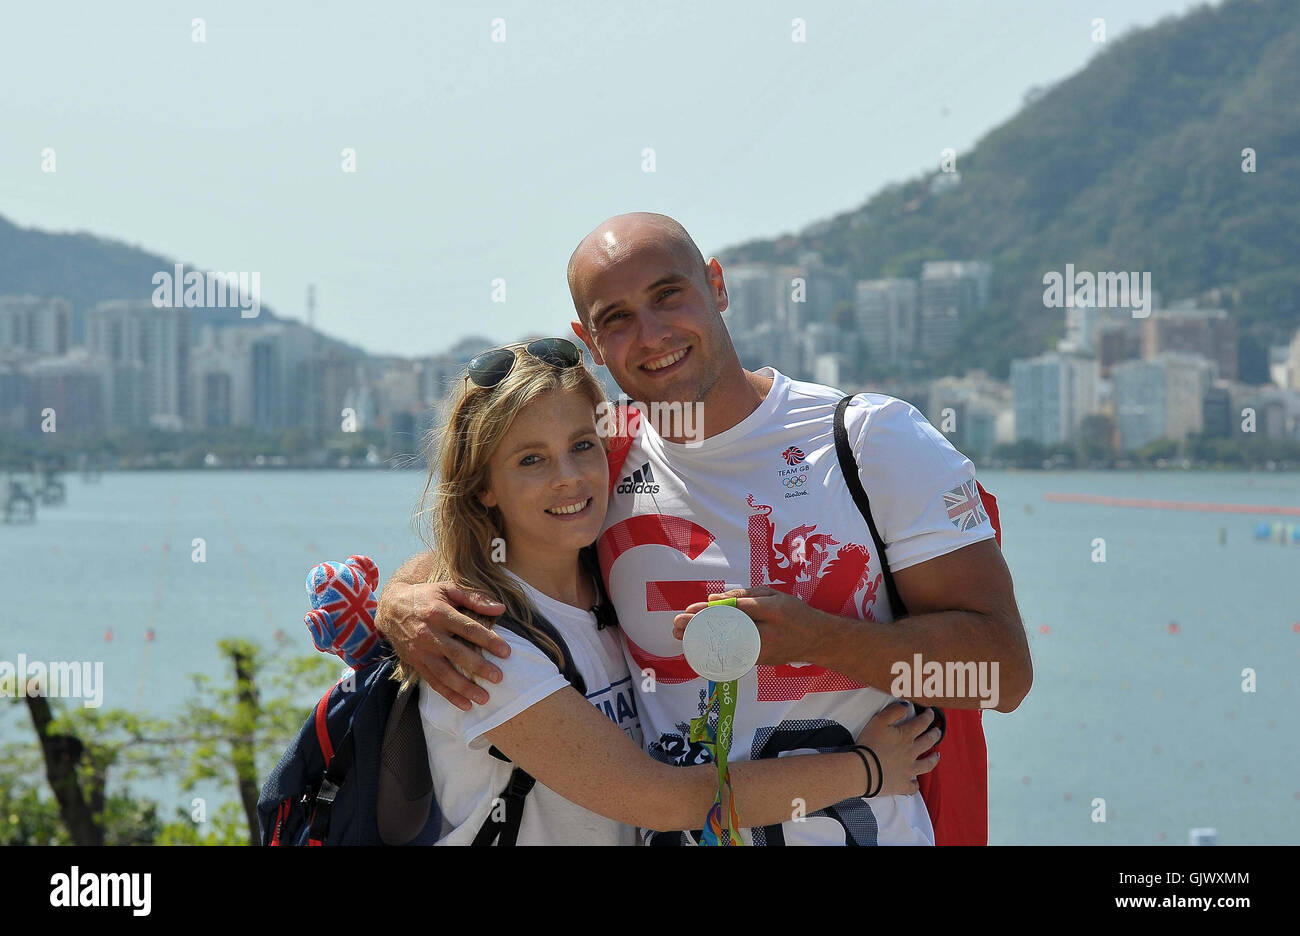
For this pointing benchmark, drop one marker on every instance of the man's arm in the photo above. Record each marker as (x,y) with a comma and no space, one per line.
(960,602)
(962,609)
(422,621)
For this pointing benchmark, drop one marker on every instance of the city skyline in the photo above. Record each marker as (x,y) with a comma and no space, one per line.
(1119,380)
(432,218)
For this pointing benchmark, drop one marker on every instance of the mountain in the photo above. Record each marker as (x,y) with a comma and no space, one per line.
(85,270)
(1135,164)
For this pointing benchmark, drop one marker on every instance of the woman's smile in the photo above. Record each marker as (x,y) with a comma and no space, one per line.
(570,510)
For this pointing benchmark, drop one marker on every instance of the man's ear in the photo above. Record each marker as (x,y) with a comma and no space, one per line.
(717,284)
(585,337)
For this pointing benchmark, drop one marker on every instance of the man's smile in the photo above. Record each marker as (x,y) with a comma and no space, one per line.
(666,361)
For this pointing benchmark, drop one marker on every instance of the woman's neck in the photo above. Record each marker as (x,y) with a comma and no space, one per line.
(558,575)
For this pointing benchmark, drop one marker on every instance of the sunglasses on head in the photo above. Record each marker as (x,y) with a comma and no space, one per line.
(491,367)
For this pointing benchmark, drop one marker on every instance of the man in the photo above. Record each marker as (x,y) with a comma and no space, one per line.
(758,509)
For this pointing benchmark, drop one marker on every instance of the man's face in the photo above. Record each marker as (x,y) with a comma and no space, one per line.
(655,320)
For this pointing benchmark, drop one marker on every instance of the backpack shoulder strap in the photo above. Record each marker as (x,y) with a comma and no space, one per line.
(849,468)
(516,791)
(567,667)
(604,608)
(338,759)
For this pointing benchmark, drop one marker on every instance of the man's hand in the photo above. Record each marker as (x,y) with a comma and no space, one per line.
(791,630)
(961,607)
(431,635)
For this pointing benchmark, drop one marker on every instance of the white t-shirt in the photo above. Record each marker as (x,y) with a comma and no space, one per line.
(765,503)
(467,778)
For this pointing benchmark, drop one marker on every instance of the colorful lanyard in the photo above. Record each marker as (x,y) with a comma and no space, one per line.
(716,738)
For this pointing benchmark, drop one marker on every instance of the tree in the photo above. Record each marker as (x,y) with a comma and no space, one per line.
(232,732)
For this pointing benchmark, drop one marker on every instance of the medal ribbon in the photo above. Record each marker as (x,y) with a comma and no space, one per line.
(717,740)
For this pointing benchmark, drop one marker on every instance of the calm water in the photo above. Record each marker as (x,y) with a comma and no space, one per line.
(1125,707)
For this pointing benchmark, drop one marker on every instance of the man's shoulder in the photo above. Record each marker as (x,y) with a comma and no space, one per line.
(864,405)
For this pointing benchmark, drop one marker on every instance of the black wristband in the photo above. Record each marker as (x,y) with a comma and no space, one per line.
(880,772)
(865,763)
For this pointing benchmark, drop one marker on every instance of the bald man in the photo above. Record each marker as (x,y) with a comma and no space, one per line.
(755,506)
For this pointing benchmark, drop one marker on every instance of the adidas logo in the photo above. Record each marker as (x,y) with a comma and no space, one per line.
(641,481)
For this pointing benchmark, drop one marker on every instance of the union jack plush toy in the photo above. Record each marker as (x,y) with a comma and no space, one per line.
(342,618)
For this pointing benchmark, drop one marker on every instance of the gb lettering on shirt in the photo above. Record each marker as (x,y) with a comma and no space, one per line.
(834,576)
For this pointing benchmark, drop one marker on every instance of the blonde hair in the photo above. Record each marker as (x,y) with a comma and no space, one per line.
(452,521)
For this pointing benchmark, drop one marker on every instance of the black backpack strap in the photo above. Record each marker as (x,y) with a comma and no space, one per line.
(604,607)
(849,468)
(567,667)
(517,789)
(336,771)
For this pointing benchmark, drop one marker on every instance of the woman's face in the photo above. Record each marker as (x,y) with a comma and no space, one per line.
(549,477)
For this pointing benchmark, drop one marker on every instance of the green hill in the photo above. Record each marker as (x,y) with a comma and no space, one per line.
(86,270)
(1134,163)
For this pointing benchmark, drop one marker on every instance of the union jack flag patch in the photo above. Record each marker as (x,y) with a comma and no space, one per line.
(964,506)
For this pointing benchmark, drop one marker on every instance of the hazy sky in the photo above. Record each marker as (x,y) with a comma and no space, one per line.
(478,159)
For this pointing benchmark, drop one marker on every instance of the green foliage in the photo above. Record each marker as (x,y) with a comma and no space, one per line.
(227,827)
(26,817)
(1157,449)
(225,731)
(215,716)
(30,816)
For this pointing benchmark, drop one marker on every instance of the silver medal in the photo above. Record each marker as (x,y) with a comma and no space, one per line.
(721,643)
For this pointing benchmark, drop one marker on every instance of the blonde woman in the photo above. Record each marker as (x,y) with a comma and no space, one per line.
(517,492)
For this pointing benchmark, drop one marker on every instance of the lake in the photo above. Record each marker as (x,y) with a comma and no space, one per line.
(1139,660)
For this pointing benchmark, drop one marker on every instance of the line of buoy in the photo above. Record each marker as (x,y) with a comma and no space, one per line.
(1200,506)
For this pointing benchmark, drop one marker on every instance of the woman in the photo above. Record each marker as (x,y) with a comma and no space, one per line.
(522,488)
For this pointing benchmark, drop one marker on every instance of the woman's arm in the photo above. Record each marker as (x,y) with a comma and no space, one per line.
(579,753)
